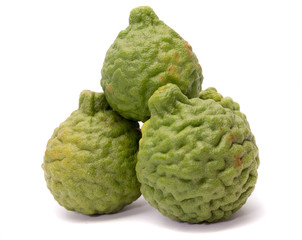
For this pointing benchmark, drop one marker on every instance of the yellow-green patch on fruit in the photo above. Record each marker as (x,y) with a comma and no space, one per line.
(89,162)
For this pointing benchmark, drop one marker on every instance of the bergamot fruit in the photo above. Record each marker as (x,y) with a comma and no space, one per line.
(146,55)
(89,162)
(198,159)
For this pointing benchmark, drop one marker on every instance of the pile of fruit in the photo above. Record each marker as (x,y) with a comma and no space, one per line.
(195,158)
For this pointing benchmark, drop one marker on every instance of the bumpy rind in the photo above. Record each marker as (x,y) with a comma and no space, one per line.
(146,55)
(89,162)
(197,163)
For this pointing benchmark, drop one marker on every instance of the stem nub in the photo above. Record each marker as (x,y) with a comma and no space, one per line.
(92,102)
(144,15)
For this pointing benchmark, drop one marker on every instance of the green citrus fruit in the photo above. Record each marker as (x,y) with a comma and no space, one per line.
(146,55)
(89,162)
(198,158)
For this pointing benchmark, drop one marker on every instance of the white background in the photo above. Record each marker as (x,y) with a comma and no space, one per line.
(51,50)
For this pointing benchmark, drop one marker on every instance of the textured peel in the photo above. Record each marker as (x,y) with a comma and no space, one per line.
(198,158)
(146,55)
(89,162)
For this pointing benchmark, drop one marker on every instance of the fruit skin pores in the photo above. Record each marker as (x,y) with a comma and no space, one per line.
(197,159)
(89,162)
(146,55)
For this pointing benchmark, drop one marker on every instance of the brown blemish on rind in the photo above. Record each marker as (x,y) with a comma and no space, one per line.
(189,48)
(110,89)
(231,138)
(62,134)
(238,161)
(171,69)
(176,57)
